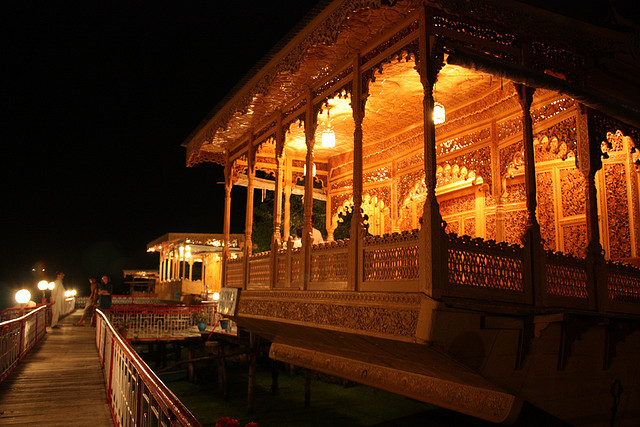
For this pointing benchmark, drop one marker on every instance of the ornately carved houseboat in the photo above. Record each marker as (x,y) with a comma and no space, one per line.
(491,145)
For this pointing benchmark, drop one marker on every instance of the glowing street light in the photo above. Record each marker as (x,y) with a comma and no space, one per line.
(43,286)
(51,285)
(216,296)
(23,296)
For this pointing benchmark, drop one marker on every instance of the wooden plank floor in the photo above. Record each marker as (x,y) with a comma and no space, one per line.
(60,382)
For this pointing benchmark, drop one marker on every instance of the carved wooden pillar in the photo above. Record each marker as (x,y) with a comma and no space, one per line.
(276,240)
(309,134)
(248,221)
(497,189)
(288,183)
(226,228)
(432,240)
(589,160)
(395,221)
(534,264)
(358,100)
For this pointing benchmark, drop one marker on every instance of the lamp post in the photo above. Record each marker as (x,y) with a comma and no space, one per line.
(23,296)
(43,286)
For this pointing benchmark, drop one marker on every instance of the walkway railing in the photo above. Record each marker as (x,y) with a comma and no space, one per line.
(136,395)
(18,336)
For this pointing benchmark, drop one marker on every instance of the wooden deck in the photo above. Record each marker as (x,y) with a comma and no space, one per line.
(59,383)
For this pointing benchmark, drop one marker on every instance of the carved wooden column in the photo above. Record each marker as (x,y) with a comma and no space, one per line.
(288,183)
(534,263)
(589,160)
(276,240)
(395,217)
(496,184)
(226,228)
(358,101)
(309,134)
(432,240)
(248,220)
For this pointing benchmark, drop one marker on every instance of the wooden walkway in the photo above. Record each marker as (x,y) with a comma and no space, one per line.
(59,383)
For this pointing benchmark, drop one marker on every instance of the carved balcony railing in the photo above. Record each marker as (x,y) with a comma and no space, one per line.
(259,270)
(484,269)
(329,265)
(567,281)
(391,259)
(623,288)
(476,269)
(234,273)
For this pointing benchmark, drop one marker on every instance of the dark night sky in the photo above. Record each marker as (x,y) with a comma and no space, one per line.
(97,97)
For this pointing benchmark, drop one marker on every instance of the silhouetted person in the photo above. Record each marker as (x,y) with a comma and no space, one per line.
(92,302)
(104,291)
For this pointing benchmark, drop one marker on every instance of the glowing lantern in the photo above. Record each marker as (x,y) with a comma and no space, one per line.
(438,113)
(23,296)
(216,296)
(305,169)
(328,138)
(43,285)
(51,285)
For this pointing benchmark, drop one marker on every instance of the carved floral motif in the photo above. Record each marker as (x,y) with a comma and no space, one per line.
(617,214)
(546,209)
(573,187)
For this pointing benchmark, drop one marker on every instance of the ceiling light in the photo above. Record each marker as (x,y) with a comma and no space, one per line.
(438,113)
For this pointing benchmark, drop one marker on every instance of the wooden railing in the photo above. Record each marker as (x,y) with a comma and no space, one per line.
(136,396)
(475,269)
(18,336)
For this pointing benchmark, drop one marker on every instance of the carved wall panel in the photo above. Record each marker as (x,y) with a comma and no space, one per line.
(456,205)
(514,225)
(516,193)
(470,227)
(573,188)
(478,161)
(617,213)
(507,155)
(490,227)
(546,209)
(575,239)
(389,314)
(453,226)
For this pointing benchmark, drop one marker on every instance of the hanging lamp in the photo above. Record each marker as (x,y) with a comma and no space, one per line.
(328,136)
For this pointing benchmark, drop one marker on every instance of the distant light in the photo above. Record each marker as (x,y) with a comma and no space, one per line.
(73,292)
(328,139)
(67,294)
(43,285)
(51,285)
(305,169)
(438,113)
(23,296)
(216,243)
(216,296)
(43,269)
(33,269)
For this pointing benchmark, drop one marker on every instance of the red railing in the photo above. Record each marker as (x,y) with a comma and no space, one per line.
(18,336)
(152,322)
(136,395)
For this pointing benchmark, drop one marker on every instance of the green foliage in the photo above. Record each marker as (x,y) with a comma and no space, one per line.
(263,219)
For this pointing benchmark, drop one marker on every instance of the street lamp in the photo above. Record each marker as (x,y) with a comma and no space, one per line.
(51,285)
(23,296)
(43,286)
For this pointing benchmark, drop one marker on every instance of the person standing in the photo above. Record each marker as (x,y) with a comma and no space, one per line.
(104,292)
(89,309)
(57,299)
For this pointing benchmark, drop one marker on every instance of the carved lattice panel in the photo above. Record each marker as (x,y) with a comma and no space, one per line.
(392,257)
(259,269)
(478,263)
(623,284)
(330,263)
(281,268)
(546,209)
(566,276)
(234,272)
(296,258)
(400,263)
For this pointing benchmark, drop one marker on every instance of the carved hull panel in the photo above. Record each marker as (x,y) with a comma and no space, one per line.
(464,359)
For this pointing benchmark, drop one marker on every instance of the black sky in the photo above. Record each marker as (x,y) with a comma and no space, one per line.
(97,97)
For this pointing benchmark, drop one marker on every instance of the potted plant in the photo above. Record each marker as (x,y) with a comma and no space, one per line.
(201,319)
